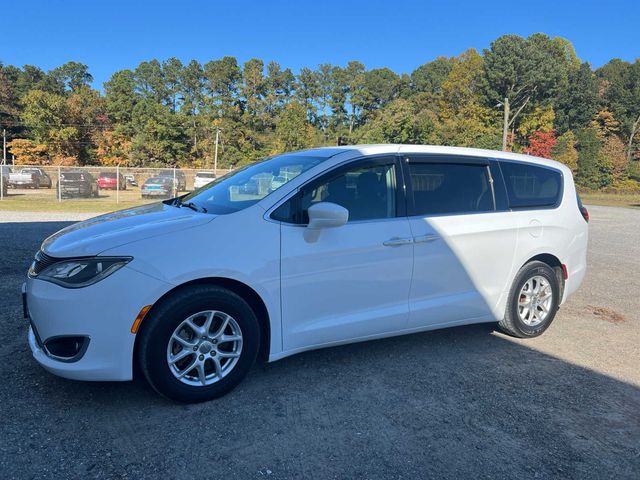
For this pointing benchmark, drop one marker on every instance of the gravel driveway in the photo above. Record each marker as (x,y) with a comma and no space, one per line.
(458,403)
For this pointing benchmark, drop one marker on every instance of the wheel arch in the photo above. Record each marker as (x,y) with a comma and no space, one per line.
(555,263)
(547,258)
(243,290)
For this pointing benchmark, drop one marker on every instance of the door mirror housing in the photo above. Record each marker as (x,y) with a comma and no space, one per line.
(324,215)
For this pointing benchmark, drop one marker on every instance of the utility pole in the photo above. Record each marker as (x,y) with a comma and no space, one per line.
(215,155)
(4,162)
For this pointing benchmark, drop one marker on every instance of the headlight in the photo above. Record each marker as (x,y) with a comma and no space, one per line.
(81,272)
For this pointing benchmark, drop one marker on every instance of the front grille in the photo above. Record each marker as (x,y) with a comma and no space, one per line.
(40,262)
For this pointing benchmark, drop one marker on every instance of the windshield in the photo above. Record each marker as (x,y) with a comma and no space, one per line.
(159,180)
(248,185)
(73,176)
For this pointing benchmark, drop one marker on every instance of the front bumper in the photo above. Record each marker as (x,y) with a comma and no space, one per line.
(156,193)
(22,183)
(75,192)
(103,313)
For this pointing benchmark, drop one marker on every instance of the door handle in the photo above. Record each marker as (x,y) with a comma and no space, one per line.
(396,242)
(426,238)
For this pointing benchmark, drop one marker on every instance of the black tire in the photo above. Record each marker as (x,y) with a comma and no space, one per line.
(512,324)
(166,316)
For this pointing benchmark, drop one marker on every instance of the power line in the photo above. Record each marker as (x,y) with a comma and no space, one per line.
(63,124)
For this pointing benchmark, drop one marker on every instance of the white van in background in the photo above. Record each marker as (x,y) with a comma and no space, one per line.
(202,179)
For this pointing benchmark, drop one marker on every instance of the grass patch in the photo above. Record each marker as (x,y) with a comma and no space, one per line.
(629,200)
(46,201)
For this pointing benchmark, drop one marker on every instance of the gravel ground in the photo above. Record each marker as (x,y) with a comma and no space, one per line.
(458,403)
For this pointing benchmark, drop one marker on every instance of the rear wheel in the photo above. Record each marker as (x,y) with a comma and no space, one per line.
(533,301)
(198,344)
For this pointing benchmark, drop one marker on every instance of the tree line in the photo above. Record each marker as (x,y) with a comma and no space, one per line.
(530,95)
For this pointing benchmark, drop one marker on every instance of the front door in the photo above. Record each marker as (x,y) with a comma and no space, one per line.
(353,281)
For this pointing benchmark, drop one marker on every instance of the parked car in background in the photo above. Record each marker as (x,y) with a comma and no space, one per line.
(77,183)
(30,177)
(5,170)
(181,179)
(364,242)
(108,181)
(161,187)
(252,187)
(203,178)
(131,180)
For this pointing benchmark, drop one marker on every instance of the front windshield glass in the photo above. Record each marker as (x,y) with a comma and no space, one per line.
(250,184)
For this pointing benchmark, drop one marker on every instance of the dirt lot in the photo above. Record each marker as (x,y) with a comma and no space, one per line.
(460,403)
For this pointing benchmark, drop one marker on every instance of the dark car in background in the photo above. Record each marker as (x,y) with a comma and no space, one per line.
(160,187)
(181,179)
(111,181)
(77,183)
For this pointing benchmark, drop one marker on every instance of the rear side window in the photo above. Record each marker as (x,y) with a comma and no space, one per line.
(531,185)
(449,188)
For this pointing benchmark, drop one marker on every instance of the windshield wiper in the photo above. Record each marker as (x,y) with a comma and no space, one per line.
(193,207)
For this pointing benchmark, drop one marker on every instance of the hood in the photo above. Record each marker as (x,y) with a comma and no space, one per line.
(98,234)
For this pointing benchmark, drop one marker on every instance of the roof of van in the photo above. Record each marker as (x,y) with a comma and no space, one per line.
(433,149)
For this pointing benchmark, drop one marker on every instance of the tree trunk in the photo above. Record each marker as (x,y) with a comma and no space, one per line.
(505,124)
(195,136)
(352,120)
(634,130)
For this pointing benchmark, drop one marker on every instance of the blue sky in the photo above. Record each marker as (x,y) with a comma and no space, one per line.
(399,34)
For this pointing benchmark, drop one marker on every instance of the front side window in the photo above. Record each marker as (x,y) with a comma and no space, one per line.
(368,192)
(531,185)
(450,188)
(247,186)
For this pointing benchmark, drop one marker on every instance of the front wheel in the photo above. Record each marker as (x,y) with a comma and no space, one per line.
(533,301)
(198,344)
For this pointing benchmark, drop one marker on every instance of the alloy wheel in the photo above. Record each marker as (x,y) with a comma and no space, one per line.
(204,348)
(535,301)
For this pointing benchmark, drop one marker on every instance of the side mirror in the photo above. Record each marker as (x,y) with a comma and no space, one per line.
(324,215)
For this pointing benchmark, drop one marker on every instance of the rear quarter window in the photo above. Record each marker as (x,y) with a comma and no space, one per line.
(531,186)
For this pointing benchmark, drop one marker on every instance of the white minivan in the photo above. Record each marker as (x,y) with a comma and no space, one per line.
(349,244)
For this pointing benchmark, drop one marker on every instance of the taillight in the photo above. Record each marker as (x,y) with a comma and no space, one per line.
(585,214)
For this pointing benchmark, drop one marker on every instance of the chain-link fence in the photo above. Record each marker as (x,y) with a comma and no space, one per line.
(118,185)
